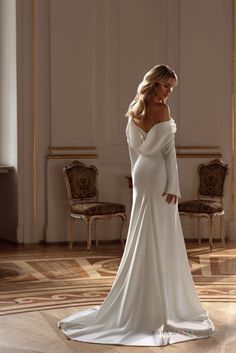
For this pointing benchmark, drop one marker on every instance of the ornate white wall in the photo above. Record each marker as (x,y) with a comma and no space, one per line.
(205,50)
(79,64)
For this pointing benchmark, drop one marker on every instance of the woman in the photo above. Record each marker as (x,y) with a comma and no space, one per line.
(153,301)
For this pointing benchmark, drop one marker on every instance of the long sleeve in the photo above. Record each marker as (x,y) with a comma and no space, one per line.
(133,157)
(169,154)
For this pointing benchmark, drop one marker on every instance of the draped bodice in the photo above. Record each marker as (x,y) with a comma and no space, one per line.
(153,141)
(158,144)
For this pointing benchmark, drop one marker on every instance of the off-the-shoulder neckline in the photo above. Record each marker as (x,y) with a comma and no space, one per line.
(160,123)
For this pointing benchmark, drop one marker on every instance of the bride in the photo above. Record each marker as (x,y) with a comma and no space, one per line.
(153,301)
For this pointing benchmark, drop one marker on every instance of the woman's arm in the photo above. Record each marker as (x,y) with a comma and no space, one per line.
(172,186)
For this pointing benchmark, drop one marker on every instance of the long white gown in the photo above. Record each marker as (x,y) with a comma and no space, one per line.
(153,301)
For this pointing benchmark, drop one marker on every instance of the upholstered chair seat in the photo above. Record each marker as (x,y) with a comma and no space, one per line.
(210,195)
(82,187)
(97,208)
(200,206)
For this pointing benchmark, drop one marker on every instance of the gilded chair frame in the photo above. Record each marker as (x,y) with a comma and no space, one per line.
(210,216)
(89,218)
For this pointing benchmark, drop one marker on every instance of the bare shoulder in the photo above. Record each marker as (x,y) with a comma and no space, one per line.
(160,112)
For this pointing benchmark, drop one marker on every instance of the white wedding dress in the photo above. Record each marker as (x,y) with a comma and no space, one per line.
(153,301)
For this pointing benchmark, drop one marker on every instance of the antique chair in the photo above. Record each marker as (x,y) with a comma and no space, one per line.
(210,194)
(82,188)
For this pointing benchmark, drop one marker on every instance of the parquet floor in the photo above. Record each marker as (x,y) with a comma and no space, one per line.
(37,332)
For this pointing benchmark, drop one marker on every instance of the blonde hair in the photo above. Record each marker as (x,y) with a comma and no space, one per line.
(159,73)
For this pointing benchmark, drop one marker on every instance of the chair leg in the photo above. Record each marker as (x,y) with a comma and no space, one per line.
(95,231)
(222,229)
(72,232)
(88,223)
(199,229)
(124,218)
(210,230)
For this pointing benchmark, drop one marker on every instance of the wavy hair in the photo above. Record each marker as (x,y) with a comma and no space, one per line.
(158,74)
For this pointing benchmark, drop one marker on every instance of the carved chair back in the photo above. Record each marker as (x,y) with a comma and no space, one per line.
(81,181)
(212,177)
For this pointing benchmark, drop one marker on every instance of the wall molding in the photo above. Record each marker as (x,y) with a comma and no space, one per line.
(34,116)
(72,156)
(84,152)
(198,147)
(199,155)
(66,148)
(198,152)
(203,153)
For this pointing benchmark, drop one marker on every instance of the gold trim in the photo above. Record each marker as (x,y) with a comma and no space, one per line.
(95,156)
(71,156)
(71,148)
(34,115)
(199,155)
(198,147)
(82,148)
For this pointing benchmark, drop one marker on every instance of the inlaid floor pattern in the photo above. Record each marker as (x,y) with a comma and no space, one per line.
(42,284)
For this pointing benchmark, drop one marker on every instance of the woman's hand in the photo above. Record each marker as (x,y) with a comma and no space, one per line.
(170,198)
